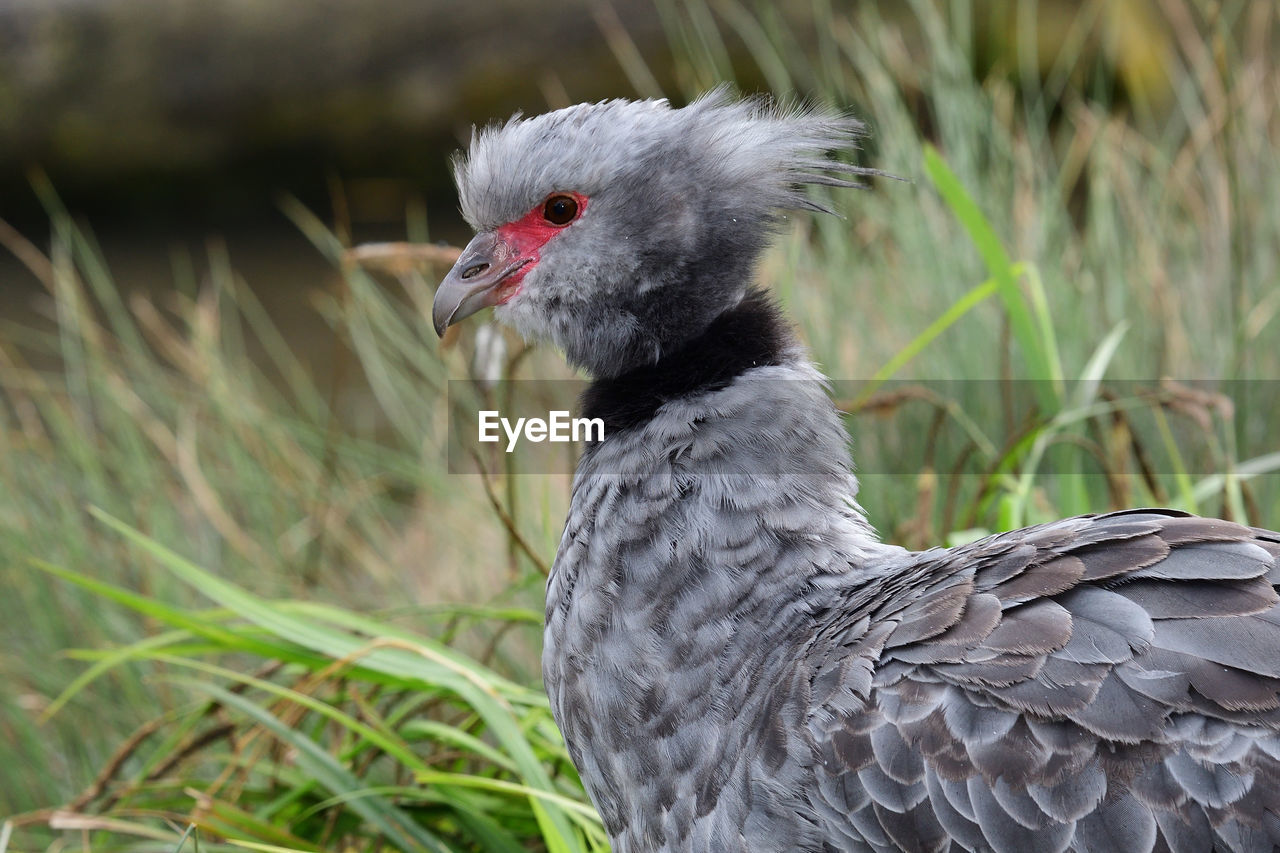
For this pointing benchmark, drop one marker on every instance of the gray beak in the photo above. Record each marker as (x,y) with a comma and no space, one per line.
(475,280)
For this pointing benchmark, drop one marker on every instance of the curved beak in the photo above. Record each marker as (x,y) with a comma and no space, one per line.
(476,280)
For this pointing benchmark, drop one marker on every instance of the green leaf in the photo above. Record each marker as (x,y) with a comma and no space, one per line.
(1034,335)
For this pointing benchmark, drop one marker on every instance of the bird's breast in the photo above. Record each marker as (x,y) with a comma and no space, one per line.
(673,628)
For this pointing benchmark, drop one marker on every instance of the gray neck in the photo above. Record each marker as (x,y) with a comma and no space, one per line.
(701,543)
(767,440)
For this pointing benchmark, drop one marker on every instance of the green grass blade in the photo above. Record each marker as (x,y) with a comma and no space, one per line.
(949,318)
(468,680)
(1029,333)
(398,826)
(141,649)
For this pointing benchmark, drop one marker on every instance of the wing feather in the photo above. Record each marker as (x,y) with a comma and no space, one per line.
(1121,824)
(1100,683)
(1072,798)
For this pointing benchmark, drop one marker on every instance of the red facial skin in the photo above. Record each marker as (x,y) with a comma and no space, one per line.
(521,242)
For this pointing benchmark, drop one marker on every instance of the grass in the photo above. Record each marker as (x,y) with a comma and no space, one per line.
(226,546)
(345,694)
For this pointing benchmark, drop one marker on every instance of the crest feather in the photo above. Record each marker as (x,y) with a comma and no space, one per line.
(751,152)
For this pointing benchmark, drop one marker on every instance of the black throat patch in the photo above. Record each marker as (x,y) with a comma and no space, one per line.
(751,334)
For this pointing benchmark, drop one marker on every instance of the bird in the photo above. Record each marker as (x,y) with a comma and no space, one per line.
(736,660)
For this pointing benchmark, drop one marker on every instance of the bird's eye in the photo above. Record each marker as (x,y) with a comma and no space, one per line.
(560,209)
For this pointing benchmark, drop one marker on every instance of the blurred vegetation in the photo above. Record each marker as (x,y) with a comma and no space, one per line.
(1063,226)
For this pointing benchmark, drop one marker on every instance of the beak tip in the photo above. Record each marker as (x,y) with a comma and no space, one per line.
(457,297)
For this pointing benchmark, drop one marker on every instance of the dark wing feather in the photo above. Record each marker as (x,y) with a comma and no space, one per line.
(1102,683)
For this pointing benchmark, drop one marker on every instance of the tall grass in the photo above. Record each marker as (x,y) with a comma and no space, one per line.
(1061,232)
(157,416)
(228,545)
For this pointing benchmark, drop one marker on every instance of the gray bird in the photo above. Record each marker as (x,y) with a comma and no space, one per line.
(736,661)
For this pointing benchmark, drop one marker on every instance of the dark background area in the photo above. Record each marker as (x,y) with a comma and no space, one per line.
(164,123)
(144,111)
(185,111)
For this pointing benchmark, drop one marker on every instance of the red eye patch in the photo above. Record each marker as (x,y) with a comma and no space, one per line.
(531,232)
(523,239)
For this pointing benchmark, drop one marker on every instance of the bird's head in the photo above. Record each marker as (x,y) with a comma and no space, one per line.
(621,230)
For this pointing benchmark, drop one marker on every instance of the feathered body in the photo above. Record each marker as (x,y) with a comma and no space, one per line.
(737,663)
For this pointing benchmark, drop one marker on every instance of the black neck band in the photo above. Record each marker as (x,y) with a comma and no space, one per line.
(751,334)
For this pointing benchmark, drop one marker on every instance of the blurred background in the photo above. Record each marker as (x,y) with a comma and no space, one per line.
(165,123)
(195,356)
